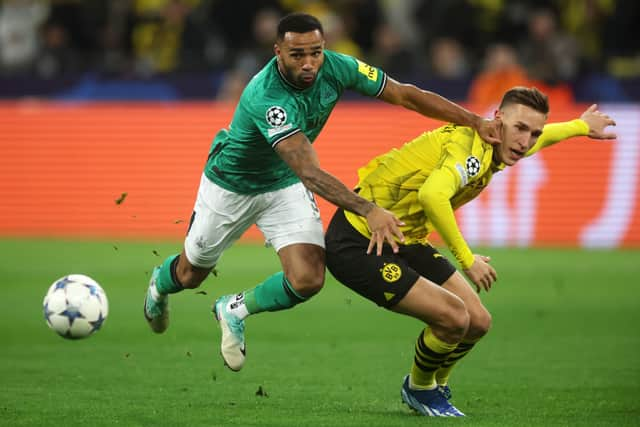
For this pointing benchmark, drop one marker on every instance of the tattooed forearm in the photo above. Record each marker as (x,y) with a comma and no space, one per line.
(330,188)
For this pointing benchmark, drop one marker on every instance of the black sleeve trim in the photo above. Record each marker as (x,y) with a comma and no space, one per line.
(283,137)
(384,84)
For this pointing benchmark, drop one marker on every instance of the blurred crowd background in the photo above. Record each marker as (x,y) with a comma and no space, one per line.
(472,50)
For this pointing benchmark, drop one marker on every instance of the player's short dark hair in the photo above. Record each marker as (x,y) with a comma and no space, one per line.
(529,96)
(298,22)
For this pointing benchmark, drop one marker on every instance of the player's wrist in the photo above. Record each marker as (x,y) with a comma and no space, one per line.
(466,260)
(367,209)
(582,126)
(476,121)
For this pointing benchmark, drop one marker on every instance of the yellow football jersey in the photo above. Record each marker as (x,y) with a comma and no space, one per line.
(427,179)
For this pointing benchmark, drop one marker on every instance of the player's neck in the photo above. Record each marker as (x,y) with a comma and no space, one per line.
(495,157)
(283,76)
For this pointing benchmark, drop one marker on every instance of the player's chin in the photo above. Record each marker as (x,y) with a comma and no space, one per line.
(513,159)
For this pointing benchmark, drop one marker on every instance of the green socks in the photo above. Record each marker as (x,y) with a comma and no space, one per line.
(274,294)
(167,282)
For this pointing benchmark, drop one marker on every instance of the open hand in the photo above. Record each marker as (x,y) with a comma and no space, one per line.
(481,274)
(597,122)
(384,226)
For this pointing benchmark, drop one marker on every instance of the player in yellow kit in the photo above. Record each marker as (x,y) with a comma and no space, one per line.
(422,183)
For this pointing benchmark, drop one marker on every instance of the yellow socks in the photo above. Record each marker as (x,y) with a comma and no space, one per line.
(442,374)
(431,353)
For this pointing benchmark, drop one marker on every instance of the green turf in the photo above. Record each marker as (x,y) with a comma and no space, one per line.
(563,349)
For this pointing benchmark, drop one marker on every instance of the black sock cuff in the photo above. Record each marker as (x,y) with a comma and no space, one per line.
(172,270)
(290,292)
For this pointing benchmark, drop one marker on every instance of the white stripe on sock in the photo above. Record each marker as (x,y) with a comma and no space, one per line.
(157,296)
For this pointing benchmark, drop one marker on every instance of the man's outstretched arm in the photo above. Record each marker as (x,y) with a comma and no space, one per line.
(592,123)
(432,105)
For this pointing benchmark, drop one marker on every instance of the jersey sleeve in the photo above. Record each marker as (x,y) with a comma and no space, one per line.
(435,196)
(359,76)
(275,118)
(556,132)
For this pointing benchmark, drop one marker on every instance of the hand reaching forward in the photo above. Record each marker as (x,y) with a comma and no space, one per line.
(384,226)
(481,273)
(597,122)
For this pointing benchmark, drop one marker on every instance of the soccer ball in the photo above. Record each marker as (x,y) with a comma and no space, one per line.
(75,306)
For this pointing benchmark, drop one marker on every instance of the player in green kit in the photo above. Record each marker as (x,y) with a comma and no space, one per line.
(422,183)
(263,170)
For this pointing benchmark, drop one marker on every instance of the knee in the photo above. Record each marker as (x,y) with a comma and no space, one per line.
(457,319)
(308,282)
(479,325)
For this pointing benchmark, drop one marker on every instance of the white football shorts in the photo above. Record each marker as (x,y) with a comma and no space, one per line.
(220,217)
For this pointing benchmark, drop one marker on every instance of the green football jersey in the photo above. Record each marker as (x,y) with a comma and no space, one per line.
(242,158)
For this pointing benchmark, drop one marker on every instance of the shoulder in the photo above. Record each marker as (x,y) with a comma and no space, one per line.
(264,90)
(457,138)
(339,64)
(470,155)
(333,58)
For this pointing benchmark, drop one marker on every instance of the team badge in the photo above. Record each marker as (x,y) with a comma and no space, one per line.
(473,166)
(391,272)
(276,116)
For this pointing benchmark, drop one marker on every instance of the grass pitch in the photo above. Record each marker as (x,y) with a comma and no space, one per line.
(564,348)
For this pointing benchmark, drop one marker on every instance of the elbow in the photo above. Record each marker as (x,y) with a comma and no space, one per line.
(410,96)
(401,95)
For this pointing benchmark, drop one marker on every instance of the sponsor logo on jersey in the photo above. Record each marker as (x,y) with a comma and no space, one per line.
(473,166)
(368,70)
(391,272)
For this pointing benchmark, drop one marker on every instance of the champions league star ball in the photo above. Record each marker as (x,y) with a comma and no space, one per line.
(75,306)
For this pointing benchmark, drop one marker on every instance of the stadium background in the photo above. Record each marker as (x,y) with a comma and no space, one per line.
(107,110)
(104,98)
(64,171)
